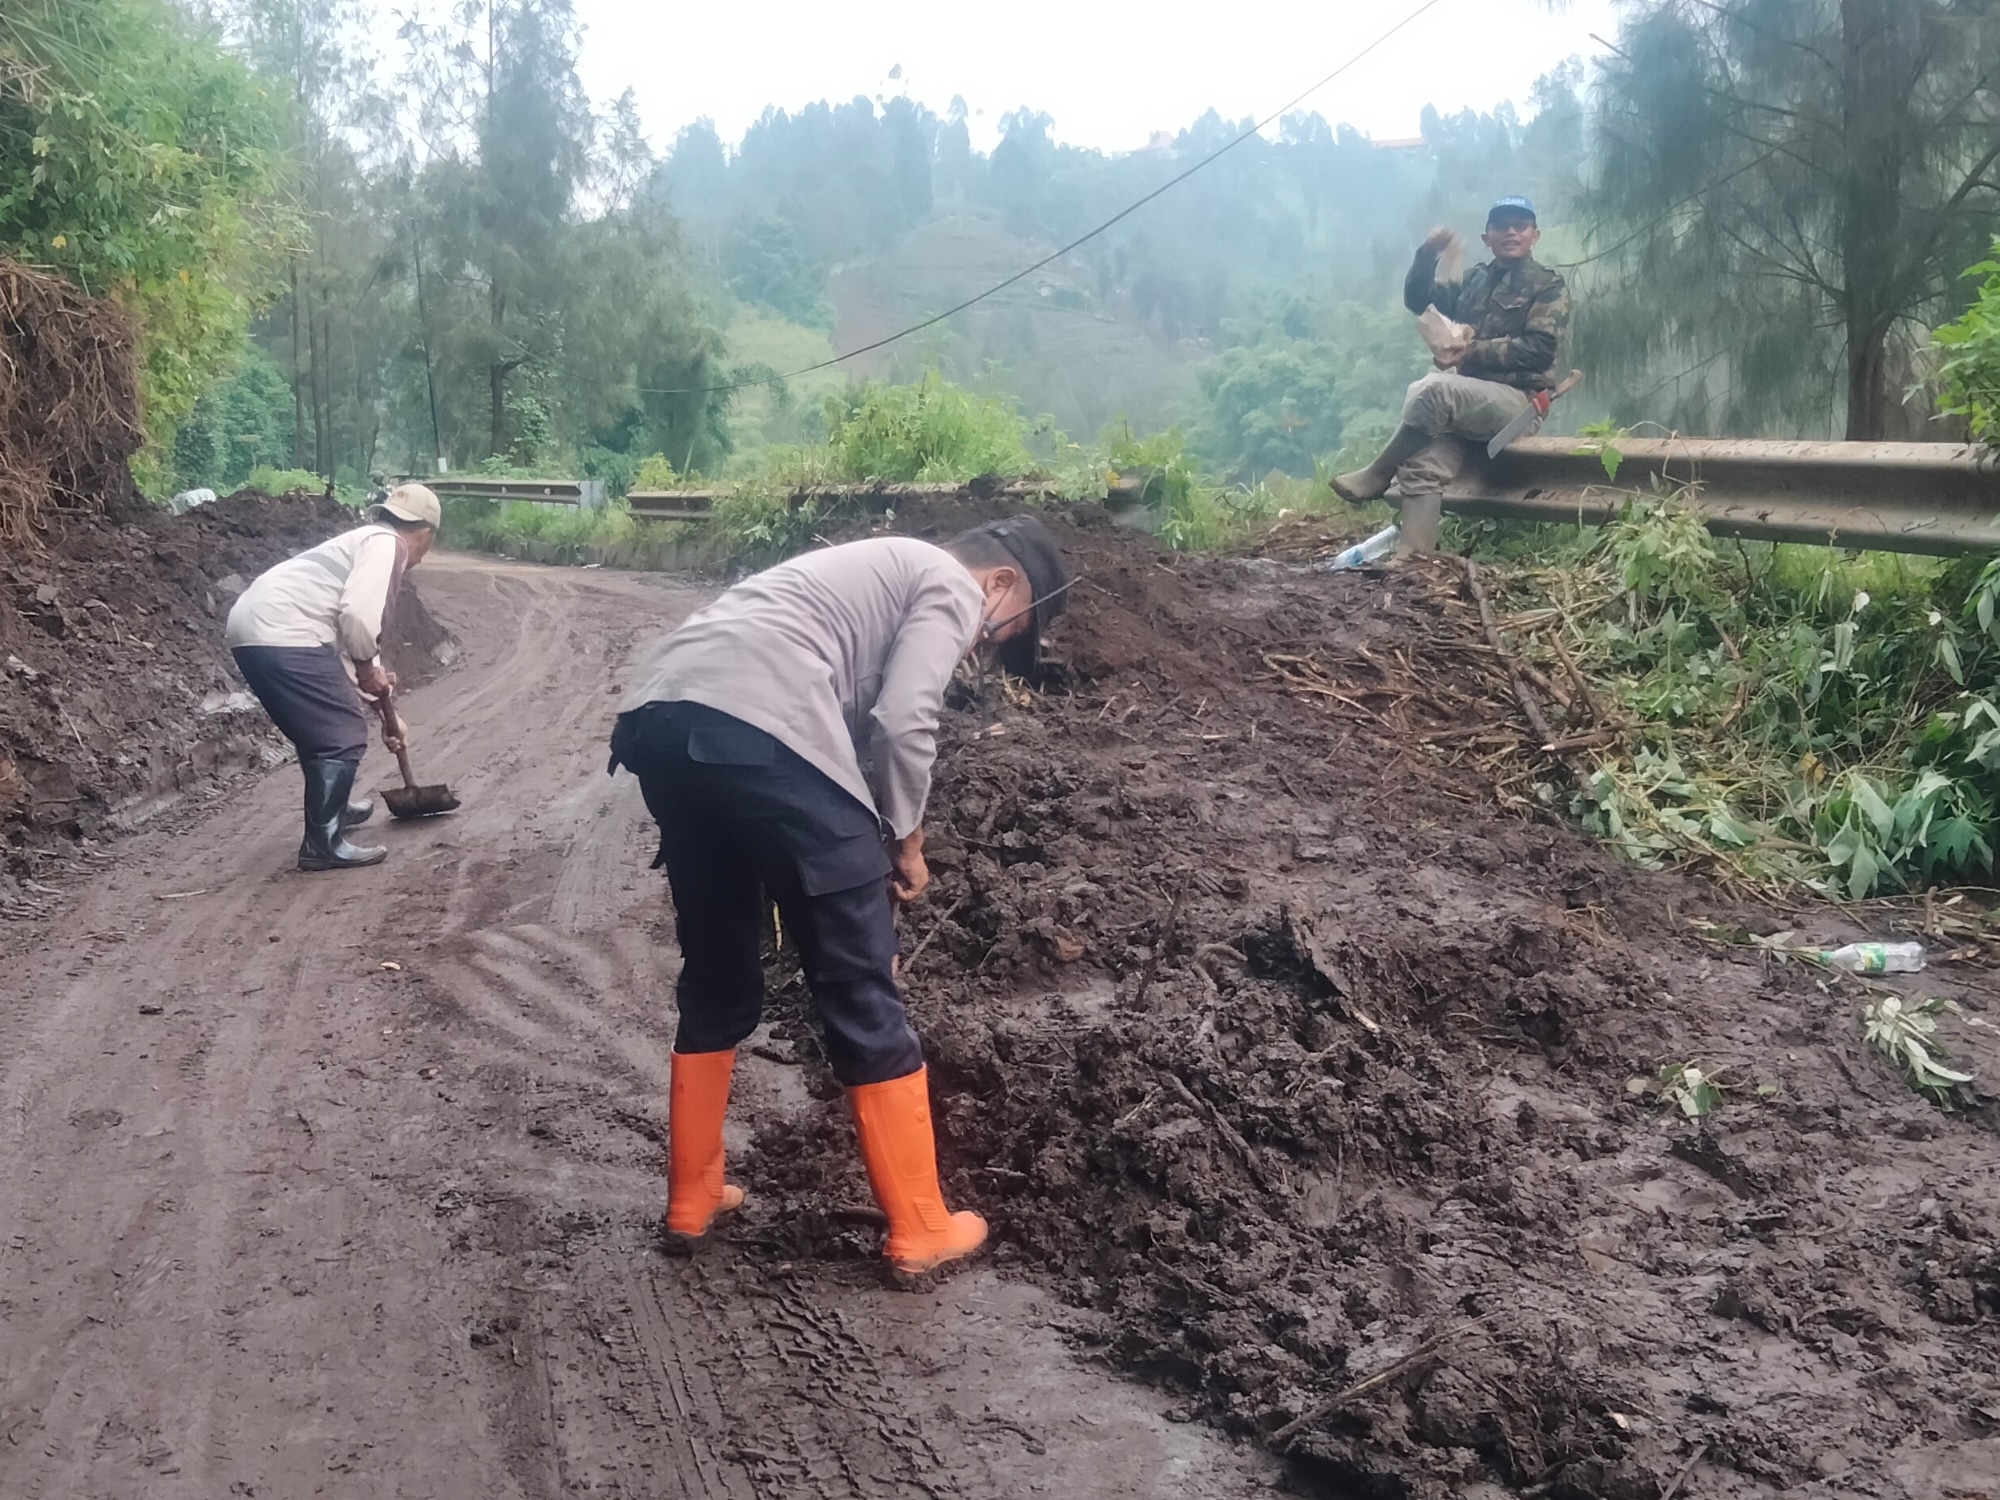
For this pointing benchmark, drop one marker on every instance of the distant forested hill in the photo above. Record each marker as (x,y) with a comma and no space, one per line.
(1240,303)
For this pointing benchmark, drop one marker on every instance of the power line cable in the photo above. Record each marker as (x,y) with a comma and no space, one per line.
(1054,255)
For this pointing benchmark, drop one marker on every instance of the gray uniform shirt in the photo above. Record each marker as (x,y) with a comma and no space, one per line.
(842,655)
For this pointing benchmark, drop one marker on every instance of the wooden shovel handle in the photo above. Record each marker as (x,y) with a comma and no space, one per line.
(393,722)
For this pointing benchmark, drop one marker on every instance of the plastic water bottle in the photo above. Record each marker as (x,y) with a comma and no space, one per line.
(1876,958)
(1361,554)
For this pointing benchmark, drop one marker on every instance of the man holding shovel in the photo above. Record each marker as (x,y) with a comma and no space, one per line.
(1514,312)
(307,634)
(784,738)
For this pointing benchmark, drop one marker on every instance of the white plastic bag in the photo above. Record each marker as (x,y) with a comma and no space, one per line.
(1445,336)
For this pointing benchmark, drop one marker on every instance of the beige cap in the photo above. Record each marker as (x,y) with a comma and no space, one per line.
(413,502)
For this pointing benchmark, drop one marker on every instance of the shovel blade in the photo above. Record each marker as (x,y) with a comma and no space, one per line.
(419,801)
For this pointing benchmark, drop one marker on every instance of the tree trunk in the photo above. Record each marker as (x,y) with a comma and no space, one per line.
(496,372)
(1878,38)
(326,342)
(315,373)
(1867,381)
(298,379)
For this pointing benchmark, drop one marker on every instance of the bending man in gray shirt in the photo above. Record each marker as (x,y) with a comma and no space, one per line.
(784,738)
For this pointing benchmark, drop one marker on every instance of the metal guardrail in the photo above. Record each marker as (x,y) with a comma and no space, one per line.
(672,505)
(588,493)
(697,505)
(1937,498)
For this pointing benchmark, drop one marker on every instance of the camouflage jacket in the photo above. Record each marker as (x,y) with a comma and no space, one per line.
(1518,315)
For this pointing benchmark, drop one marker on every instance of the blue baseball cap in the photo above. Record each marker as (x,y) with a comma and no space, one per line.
(1512,203)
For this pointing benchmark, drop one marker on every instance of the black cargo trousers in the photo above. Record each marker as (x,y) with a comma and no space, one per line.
(742,819)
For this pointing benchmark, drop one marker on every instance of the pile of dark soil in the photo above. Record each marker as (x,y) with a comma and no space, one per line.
(69,402)
(116,695)
(1323,1086)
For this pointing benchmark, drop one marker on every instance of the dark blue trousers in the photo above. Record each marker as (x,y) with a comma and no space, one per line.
(305,690)
(743,819)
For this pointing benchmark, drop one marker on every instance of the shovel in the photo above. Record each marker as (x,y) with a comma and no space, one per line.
(410,800)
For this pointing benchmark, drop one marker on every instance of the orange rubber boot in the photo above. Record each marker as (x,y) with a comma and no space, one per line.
(698,1094)
(893,1120)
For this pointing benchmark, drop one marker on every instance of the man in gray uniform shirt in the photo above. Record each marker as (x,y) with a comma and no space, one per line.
(784,738)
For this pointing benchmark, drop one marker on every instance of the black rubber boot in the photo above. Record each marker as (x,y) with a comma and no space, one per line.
(1373,482)
(325,845)
(358,813)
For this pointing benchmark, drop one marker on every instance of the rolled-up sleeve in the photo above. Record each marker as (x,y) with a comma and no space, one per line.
(936,633)
(366,596)
(1422,289)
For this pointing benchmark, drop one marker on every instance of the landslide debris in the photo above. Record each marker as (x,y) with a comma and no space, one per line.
(1307,1072)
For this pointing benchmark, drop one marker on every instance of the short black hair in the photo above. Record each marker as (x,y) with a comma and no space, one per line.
(980,548)
(385,517)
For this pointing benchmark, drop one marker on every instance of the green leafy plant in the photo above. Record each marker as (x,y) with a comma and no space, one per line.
(932,430)
(761,524)
(1685,1086)
(1905,1033)
(1969,371)
(655,473)
(284,481)
(1601,438)
(141,160)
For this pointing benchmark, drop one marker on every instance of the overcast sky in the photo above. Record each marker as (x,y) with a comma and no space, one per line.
(1110,72)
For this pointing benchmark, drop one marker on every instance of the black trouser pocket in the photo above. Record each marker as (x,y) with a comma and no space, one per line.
(843,866)
(730,745)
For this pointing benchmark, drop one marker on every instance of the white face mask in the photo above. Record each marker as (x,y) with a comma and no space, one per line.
(991,626)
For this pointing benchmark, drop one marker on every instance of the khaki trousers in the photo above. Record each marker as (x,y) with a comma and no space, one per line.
(1460,412)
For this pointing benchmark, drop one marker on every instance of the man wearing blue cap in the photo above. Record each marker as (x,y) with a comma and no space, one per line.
(1517,311)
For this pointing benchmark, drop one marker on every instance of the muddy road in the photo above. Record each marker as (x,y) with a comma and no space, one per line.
(1302,1075)
(345,1185)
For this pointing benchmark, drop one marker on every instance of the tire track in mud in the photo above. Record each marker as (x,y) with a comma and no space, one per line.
(319,1226)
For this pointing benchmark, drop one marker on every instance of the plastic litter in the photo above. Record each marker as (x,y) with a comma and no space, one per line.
(1374,549)
(1445,336)
(1875,958)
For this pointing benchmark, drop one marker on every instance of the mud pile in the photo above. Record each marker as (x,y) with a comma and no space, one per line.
(116,696)
(1310,1076)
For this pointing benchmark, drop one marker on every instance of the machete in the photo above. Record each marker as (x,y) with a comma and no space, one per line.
(1530,414)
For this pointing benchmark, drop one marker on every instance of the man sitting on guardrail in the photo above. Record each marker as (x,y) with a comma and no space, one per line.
(1516,311)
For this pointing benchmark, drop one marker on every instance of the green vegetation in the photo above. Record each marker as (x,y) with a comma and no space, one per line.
(273,481)
(242,426)
(931,431)
(1905,1033)
(1969,370)
(1782,713)
(141,160)
(1694,1091)
(1306,382)
(1781,198)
